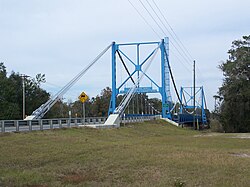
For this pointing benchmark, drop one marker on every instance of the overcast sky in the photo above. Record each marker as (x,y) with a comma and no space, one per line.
(60,37)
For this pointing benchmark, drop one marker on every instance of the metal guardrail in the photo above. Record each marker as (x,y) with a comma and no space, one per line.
(45,124)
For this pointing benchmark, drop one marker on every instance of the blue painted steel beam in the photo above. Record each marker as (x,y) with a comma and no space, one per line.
(151,80)
(148,57)
(138,68)
(114,91)
(126,80)
(141,43)
(165,104)
(126,56)
(140,90)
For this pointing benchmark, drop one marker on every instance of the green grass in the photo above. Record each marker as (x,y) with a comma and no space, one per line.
(145,154)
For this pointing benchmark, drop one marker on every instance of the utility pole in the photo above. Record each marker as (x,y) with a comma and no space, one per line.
(23,83)
(194,98)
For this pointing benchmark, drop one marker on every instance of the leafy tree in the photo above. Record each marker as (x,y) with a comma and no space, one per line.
(94,107)
(140,103)
(101,103)
(59,110)
(40,78)
(98,106)
(156,103)
(235,91)
(11,94)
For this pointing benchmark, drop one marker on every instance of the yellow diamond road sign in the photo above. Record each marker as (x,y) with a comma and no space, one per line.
(83,97)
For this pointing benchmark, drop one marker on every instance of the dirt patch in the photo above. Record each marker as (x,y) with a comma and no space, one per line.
(242,155)
(207,135)
(242,136)
(77,178)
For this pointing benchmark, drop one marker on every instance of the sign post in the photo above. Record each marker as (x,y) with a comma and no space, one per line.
(83,113)
(83,98)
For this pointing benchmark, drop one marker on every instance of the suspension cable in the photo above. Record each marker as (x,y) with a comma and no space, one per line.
(185,57)
(144,19)
(152,17)
(44,108)
(173,81)
(172,77)
(172,30)
(177,40)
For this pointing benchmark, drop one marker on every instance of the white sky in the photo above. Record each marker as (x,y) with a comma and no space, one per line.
(60,37)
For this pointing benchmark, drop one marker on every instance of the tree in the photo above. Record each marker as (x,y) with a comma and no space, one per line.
(8,109)
(11,94)
(235,91)
(40,78)
(101,103)
(59,110)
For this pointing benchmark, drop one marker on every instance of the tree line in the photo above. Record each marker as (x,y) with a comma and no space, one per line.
(11,93)
(98,106)
(11,99)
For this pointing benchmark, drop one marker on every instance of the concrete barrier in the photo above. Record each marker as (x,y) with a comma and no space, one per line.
(171,122)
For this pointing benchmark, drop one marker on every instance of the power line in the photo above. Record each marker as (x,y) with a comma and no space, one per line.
(181,49)
(183,56)
(181,45)
(184,65)
(144,19)
(185,59)
(52,84)
(173,37)
(172,30)
(182,53)
(187,52)
(152,17)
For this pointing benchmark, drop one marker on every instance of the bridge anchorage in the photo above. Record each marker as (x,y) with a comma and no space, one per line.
(137,69)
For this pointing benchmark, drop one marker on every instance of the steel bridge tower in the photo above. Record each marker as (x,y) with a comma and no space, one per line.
(187,99)
(163,88)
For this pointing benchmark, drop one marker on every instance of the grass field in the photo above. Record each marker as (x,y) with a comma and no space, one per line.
(145,154)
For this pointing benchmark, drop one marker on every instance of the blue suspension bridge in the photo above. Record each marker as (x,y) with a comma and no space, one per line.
(192,105)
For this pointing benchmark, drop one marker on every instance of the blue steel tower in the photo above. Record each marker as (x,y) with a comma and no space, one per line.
(163,88)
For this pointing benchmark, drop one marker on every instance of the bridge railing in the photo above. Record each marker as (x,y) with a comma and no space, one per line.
(134,119)
(45,124)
